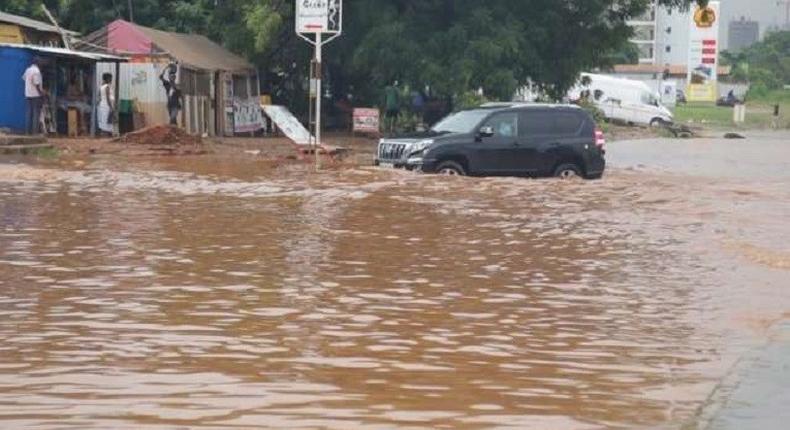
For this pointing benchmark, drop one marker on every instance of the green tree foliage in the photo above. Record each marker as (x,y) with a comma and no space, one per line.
(451,46)
(454,46)
(769,61)
(766,65)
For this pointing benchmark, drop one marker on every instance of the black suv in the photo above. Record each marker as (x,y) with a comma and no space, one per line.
(504,140)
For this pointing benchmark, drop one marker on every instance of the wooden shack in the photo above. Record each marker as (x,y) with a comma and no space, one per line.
(221,89)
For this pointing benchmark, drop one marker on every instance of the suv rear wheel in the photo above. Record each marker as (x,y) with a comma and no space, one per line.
(450,168)
(567,171)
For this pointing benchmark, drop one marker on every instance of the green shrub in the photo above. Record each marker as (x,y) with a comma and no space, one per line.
(469,100)
(596,113)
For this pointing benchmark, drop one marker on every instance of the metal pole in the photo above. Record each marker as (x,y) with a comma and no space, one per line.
(117,94)
(131,11)
(318,73)
(94,99)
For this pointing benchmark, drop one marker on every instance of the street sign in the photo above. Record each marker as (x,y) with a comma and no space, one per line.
(319,16)
(366,120)
(314,19)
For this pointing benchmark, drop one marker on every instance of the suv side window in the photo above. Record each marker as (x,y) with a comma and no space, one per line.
(567,123)
(550,123)
(504,124)
(536,123)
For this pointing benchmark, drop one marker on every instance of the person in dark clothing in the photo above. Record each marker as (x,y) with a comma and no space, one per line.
(173,93)
(391,105)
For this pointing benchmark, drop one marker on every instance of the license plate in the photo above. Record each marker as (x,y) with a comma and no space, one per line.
(387,165)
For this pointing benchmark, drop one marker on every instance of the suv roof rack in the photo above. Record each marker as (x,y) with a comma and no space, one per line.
(504,105)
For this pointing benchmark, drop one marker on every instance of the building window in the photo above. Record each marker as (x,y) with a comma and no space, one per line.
(669,49)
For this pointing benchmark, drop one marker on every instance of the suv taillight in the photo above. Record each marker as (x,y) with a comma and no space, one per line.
(600,140)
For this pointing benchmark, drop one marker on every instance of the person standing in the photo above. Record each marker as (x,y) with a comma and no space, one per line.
(173,93)
(392,105)
(34,95)
(107,105)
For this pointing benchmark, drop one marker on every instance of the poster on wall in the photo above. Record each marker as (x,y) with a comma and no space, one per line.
(703,61)
(669,93)
(247,116)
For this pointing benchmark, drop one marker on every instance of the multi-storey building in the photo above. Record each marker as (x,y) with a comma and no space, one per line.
(661,36)
(743,34)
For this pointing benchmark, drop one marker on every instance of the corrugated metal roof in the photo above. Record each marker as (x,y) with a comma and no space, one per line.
(32,23)
(191,50)
(195,50)
(63,52)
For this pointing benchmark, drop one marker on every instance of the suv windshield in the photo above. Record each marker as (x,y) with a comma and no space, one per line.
(461,122)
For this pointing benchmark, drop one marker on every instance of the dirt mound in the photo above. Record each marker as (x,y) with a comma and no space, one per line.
(165,139)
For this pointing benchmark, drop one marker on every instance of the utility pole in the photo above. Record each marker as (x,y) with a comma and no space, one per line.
(131,11)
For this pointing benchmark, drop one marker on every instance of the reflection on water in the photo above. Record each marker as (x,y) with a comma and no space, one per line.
(143,298)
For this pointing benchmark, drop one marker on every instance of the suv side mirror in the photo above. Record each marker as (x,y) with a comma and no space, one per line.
(486,131)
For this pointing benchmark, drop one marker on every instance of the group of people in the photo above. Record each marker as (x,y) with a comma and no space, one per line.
(36,97)
(393,102)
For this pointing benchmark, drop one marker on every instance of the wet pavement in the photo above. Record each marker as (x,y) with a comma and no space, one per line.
(756,393)
(192,293)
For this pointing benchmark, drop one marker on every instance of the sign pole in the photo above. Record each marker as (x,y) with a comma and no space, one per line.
(318,74)
(317,18)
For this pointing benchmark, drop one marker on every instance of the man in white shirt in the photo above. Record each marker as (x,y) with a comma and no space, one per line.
(34,93)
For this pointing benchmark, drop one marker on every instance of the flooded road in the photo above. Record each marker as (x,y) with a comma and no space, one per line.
(193,294)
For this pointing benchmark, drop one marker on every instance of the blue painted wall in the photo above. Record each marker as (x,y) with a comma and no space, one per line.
(13,62)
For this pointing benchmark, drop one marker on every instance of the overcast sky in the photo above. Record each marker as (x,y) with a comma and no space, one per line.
(765,11)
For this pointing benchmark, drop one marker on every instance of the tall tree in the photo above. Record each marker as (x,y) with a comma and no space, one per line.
(452,46)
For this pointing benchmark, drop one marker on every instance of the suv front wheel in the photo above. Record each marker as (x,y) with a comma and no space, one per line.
(567,171)
(450,168)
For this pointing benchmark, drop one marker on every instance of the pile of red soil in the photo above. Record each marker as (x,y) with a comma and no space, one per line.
(165,139)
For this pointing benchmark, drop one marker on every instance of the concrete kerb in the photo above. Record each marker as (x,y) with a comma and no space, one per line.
(13,144)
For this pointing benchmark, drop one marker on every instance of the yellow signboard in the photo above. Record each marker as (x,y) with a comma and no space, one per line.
(702,92)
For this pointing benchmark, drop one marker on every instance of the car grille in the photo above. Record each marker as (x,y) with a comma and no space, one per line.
(391,152)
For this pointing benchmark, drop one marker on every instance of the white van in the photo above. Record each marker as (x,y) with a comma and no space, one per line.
(626,100)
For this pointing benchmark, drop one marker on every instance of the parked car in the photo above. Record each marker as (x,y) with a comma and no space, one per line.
(624,100)
(504,140)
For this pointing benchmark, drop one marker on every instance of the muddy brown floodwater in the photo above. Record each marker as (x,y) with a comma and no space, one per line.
(164,294)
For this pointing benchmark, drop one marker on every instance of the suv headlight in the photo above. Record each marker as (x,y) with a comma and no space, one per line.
(421,145)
